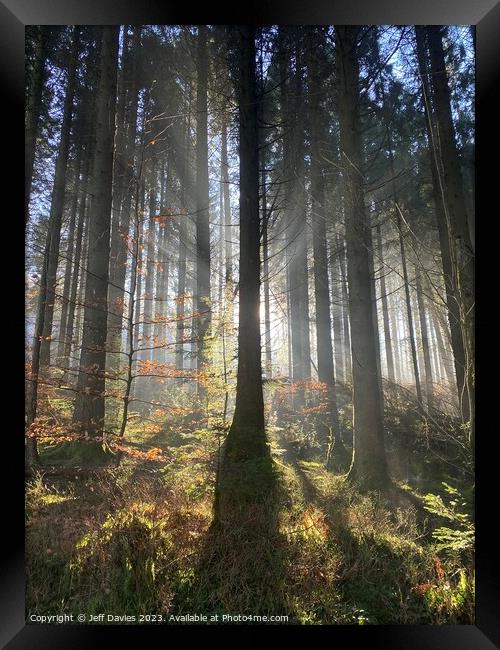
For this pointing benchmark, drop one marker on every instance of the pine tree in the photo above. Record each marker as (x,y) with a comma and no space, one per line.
(90,401)
(369,465)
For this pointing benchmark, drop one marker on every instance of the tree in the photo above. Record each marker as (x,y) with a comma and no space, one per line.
(246,438)
(69,266)
(444,240)
(151,239)
(369,465)
(294,209)
(57,203)
(183,240)
(34,90)
(89,409)
(123,182)
(321,281)
(452,193)
(202,203)
(424,335)
(385,310)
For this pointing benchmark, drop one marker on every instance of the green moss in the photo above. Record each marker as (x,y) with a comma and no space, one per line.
(81,453)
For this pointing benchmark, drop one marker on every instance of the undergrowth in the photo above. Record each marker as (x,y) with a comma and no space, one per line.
(140,538)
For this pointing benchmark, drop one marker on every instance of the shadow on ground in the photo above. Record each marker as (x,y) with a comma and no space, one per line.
(243,562)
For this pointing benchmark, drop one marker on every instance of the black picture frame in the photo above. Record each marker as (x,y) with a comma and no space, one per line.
(14,15)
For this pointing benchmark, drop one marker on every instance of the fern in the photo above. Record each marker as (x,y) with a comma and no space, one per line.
(462,536)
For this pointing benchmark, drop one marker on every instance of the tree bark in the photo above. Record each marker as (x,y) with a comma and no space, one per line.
(33,109)
(35,357)
(385,310)
(148,297)
(369,466)
(326,373)
(70,254)
(451,186)
(203,307)
(442,225)
(80,261)
(265,255)
(57,201)
(162,273)
(337,315)
(394,333)
(409,311)
(182,327)
(424,333)
(228,254)
(247,438)
(346,338)
(90,402)
(122,198)
(294,217)
(138,301)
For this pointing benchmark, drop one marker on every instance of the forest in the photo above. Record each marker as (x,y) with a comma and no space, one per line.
(249,341)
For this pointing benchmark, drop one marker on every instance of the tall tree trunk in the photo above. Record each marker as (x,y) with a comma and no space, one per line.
(222,247)
(181,327)
(33,108)
(399,224)
(440,325)
(132,315)
(337,316)
(122,196)
(451,186)
(299,267)
(296,246)
(80,262)
(265,255)
(90,400)
(394,334)
(31,444)
(424,337)
(82,280)
(409,312)
(227,204)
(369,465)
(138,315)
(162,273)
(70,253)
(442,225)
(346,338)
(181,291)
(385,309)
(247,438)
(57,201)
(203,307)
(120,175)
(150,266)
(326,373)
(437,367)
(286,167)
(264,223)
(373,289)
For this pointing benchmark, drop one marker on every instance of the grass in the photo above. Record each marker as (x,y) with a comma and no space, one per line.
(140,538)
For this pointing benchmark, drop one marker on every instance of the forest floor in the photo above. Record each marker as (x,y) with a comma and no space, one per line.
(137,539)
